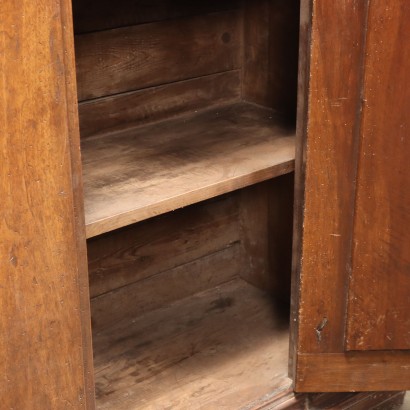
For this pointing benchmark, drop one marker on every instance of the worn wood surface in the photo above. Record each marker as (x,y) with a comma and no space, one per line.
(150,170)
(114,113)
(379,294)
(155,246)
(288,400)
(327,148)
(97,15)
(360,371)
(218,349)
(136,57)
(45,351)
(158,290)
(338,135)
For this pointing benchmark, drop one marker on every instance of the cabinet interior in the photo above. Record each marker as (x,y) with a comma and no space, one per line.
(187,120)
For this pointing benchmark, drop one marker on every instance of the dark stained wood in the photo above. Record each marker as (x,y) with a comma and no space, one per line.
(137,57)
(44,349)
(158,103)
(266,212)
(222,348)
(288,400)
(361,371)
(326,168)
(151,170)
(97,15)
(128,255)
(329,149)
(158,290)
(305,36)
(256,52)
(270,55)
(379,294)
(218,349)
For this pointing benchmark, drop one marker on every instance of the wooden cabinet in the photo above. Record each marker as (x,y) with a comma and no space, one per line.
(160,138)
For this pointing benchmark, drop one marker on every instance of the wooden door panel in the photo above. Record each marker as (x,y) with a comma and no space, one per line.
(326,159)
(379,292)
(334,260)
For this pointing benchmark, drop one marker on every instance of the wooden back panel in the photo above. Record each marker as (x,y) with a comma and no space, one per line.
(137,57)
(146,61)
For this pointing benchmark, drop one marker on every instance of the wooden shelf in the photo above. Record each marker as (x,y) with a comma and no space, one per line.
(146,171)
(222,348)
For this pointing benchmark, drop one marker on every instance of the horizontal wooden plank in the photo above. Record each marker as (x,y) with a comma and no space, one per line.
(155,169)
(157,103)
(137,57)
(353,371)
(288,400)
(128,255)
(97,15)
(220,349)
(157,291)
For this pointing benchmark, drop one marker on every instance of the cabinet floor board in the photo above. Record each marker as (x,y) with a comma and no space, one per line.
(142,172)
(222,348)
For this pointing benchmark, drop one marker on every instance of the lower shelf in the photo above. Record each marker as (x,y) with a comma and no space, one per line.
(146,171)
(219,349)
(224,348)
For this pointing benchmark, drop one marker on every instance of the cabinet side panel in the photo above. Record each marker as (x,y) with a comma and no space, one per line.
(379,298)
(42,325)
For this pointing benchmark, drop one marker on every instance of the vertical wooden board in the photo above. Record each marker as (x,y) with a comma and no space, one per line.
(266,211)
(137,57)
(280,231)
(327,145)
(379,295)
(78,200)
(44,351)
(270,55)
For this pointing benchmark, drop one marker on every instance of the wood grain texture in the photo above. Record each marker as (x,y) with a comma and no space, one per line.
(288,400)
(153,247)
(379,295)
(44,349)
(143,296)
(151,170)
(137,57)
(111,114)
(353,371)
(327,164)
(270,54)
(326,169)
(78,201)
(97,15)
(218,349)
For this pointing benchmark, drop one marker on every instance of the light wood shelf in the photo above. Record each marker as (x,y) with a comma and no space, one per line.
(221,348)
(146,171)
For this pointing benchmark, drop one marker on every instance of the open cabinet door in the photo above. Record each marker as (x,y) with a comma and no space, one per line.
(351,284)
